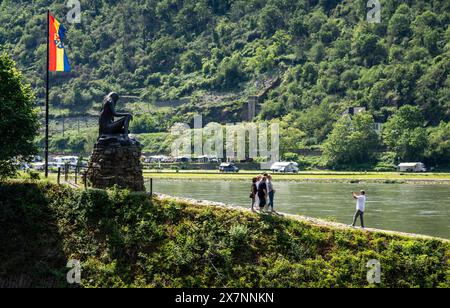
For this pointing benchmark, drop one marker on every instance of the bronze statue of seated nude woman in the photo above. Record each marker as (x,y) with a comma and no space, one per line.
(107,124)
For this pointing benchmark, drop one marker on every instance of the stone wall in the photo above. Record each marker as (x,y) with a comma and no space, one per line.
(116,160)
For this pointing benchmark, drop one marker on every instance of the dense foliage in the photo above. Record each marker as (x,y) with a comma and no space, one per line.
(18,117)
(329,58)
(405,134)
(352,141)
(126,240)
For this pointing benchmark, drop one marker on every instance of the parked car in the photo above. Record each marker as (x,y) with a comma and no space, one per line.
(61,161)
(285,167)
(38,166)
(228,168)
(22,166)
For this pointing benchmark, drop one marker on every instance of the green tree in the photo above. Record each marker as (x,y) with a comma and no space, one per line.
(438,151)
(367,47)
(143,124)
(315,21)
(352,141)
(297,26)
(317,52)
(400,23)
(291,138)
(405,134)
(191,62)
(164,53)
(272,109)
(230,72)
(316,122)
(310,73)
(329,32)
(270,20)
(19,119)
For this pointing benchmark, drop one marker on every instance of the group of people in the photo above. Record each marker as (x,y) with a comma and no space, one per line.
(262,193)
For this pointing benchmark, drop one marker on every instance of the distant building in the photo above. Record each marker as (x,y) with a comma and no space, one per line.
(351,111)
(158,159)
(183,159)
(206,159)
(378,128)
(357,110)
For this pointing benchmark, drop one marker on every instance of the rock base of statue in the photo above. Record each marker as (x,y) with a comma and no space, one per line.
(116,160)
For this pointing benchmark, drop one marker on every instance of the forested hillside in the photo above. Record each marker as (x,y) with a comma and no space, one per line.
(216,53)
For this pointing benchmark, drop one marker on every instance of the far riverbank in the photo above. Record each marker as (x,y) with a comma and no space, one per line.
(312,177)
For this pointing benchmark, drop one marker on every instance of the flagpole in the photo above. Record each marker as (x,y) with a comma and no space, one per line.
(47,94)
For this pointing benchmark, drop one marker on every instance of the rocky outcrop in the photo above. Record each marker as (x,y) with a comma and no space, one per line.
(116,160)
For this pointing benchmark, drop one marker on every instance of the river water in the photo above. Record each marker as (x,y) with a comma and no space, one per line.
(422,209)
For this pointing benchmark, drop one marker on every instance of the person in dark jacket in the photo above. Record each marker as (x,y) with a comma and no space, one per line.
(254,191)
(262,193)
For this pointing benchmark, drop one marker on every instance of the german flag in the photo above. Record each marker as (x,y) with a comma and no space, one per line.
(58,61)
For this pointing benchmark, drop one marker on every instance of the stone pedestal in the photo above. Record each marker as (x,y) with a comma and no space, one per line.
(116,160)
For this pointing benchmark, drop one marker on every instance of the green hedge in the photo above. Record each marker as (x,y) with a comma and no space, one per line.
(125,240)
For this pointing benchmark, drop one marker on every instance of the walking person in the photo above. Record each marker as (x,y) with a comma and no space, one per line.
(262,193)
(258,181)
(271,191)
(360,208)
(254,193)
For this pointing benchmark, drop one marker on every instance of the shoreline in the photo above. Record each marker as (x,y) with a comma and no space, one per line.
(303,178)
(304,219)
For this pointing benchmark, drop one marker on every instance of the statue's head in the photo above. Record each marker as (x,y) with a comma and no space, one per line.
(113,96)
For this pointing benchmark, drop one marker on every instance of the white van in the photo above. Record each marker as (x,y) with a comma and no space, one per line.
(285,167)
(412,167)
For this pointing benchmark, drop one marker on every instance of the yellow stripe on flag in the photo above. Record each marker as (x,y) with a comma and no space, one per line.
(60,59)
(56,26)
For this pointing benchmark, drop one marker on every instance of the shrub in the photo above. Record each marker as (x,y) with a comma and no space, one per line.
(127,240)
(239,236)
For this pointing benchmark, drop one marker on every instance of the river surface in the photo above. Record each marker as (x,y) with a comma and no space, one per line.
(421,209)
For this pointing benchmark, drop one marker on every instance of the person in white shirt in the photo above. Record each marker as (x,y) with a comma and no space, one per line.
(271,192)
(258,181)
(360,207)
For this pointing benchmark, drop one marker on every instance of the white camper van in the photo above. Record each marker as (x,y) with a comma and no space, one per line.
(285,167)
(412,167)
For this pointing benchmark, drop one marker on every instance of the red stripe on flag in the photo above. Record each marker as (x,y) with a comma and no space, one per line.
(52,45)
